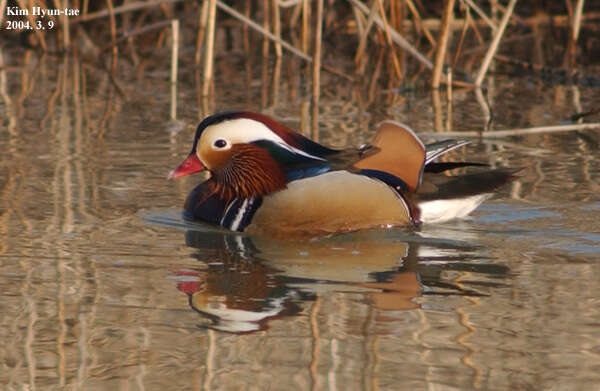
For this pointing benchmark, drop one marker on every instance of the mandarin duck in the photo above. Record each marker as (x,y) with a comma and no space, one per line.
(266,178)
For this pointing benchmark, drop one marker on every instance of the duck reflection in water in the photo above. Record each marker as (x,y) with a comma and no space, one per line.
(249,281)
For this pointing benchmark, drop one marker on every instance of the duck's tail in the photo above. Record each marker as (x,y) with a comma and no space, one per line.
(442,198)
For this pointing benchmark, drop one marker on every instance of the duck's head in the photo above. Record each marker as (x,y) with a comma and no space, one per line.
(247,154)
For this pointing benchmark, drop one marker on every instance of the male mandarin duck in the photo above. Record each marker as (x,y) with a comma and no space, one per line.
(266,178)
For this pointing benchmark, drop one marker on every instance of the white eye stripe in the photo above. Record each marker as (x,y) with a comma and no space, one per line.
(245,130)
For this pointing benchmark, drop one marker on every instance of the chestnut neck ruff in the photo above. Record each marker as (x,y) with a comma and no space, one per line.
(250,172)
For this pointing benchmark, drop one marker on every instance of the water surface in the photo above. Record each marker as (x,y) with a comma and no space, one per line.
(103,286)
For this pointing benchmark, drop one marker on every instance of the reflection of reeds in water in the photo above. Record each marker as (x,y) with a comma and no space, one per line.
(42,206)
(66,328)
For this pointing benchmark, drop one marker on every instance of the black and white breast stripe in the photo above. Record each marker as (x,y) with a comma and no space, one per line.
(238,214)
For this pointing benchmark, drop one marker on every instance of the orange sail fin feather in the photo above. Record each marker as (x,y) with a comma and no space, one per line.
(401,154)
(267,179)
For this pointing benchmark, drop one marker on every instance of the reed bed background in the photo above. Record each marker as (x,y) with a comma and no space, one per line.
(386,45)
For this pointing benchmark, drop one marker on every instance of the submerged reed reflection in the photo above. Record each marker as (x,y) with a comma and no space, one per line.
(249,281)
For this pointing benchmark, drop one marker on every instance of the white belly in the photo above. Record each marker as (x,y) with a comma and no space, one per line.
(439,211)
(333,202)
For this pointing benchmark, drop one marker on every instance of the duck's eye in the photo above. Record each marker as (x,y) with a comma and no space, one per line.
(220,143)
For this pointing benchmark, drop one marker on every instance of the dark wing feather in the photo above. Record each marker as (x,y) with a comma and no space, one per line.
(436,168)
(436,187)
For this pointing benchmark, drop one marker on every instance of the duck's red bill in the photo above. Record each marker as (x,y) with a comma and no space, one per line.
(190,165)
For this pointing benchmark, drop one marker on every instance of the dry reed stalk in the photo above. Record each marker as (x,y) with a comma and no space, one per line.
(494,11)
(485,107)
(9,111)
(495,43)
(174,50)
(559,20)
(210,46)
(264,91)
(336,72)
(362,44)
(64,24)
(31,19)
(376,73)
(518,132)
(306,26)
(134,6)
(246,37)
(2,10)
(277,26)
(293,21)
(113,33)
(516,17)
(161,38)
(289,3)
(246,44)
(126,21)
(553,20)
(396,37)
(438,115)
(576,26)
(419,25)
(253,25)
(396,15)
(442,45)
(272,37)
(202,19)
(358,16)
(199,98)
(388,37)
(261,30)
(463,34)
(266,26)
(276,81)
(316,80)
(399,13)
(481,14)
(476,30)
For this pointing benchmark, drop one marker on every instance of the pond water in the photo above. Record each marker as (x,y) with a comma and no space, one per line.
(103,286)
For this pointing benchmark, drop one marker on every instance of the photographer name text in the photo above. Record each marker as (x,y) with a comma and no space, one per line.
(39,11)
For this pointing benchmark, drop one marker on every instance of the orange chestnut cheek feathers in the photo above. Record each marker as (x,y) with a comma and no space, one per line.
(190,165)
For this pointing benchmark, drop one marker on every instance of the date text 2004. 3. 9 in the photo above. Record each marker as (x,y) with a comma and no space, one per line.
(25,25)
